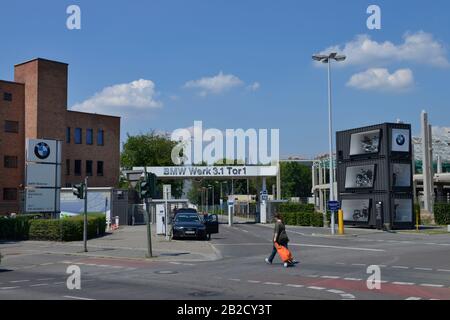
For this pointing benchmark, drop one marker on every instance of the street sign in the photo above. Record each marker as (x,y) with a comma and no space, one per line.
(42,200)
(334,205)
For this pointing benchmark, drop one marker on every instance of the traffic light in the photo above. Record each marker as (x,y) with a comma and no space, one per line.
(147,187)
(78,190)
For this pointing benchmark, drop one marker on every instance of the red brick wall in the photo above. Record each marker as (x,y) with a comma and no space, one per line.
(11,144)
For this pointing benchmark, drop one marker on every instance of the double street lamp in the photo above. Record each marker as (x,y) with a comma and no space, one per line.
(328,59)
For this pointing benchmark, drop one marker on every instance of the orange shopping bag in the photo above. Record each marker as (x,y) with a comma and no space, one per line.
(285,254)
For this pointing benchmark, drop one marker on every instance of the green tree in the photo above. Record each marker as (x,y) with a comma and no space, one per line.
(296,180)
(151,150)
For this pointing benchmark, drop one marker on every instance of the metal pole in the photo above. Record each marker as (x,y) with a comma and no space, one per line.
(85,214)
(167,215)
(330,131)
(149,229)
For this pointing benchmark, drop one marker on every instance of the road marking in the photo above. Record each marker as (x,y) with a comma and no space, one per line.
(273,283)
(237,280)
(443,270)
(399,267)
(174,262)
(130,269)
(338,247)
(295,285)
(61,282)
(432,285)
(431,243)
(253,281)
(330,277)
(403,283)
(316,288)
(91,264)
(413,298)
(382,266)
(29,267)
(8,288)
(312,276)
(424,269)
(340,263)
(117,267)
(39,285)
(103,266)
(352,279)
(359,264)
(46,264)
(347,296)
(77,298)
(336,291)
(19,281)
(188,264)
(45,279)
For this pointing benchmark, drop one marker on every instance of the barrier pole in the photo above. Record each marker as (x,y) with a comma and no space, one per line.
(341,222)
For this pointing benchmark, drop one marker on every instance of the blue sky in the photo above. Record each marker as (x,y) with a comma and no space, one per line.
(241,64)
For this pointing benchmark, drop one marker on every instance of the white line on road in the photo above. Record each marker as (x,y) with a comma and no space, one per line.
(236,280)
(432,285)
(253,281)
(8,288)
(399,267)
(60,282)
(19,281)
(336,291)
(39,285)
(45,279)
(403,283)
(330,277)
(316,288)
(424,269)
(77,298)
(347,296)
(273,283)
(46,264)
(359,264)
(352,279)
(338,247)
(295,285)
(413,298)
(443,270)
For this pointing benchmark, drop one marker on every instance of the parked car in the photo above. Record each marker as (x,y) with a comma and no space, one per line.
(193,225)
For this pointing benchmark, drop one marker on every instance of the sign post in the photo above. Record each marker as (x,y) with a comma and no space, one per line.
(43,176)
(85,214)
(333,206)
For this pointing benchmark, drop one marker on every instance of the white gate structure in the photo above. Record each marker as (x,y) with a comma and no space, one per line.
(220,173)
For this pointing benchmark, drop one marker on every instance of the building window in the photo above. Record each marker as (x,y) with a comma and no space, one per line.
(100,168)
(68,135)
(11,126)
(101,138)
(67,167)
(7,96)
(78,167)
(10,162)
(78,136)
(9,194)
(89,136)
(89,168)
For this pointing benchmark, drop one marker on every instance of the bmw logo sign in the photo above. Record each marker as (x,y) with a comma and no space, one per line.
(401,139)
(42,150)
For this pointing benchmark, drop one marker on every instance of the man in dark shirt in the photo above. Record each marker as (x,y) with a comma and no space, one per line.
(280,237)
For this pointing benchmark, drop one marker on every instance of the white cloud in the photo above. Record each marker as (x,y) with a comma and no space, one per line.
(215,85)
(419,47)
(121,99)
(381,79)
(254,86)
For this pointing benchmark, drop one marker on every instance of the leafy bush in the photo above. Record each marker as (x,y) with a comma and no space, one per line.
(305,219)
(442,213)
(67,229)
(292,207)
(16,228)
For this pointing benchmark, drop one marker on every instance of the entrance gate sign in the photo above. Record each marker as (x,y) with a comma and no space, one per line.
(185,172)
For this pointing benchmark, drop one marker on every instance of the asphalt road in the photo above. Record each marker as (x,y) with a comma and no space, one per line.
(415,267)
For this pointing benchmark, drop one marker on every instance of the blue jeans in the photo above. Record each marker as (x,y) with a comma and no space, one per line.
(274,252)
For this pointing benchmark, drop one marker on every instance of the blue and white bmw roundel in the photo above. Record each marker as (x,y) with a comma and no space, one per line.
(42,150)
(401,139)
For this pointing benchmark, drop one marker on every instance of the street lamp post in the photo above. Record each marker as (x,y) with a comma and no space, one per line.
(327,59)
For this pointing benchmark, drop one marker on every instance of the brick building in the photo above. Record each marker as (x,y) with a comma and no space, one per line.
(35,106)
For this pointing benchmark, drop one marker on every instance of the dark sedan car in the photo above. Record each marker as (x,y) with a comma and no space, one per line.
(192,225)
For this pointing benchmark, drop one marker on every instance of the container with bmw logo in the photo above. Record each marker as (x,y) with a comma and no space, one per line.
(374,164)
(43,176)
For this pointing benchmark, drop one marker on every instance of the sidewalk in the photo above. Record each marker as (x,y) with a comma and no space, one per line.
(128,243)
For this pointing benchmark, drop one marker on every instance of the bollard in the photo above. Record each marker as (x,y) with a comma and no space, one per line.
(341,222)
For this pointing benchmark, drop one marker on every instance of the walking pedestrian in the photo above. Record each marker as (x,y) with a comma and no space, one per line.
(279,237)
